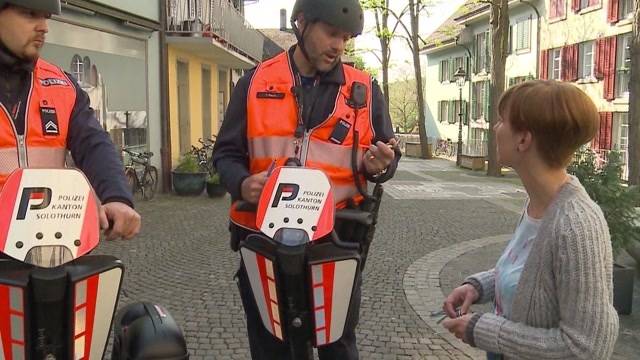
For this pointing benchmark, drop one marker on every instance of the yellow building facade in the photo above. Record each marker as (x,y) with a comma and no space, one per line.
(194,109)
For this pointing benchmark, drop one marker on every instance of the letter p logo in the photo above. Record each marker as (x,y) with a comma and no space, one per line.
(33,193)
(285,192)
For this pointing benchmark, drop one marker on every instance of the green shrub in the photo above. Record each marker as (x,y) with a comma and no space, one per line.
(617,201)
(188,164)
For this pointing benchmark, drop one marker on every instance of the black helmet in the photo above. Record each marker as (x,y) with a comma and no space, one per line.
(48,6)
(346,15)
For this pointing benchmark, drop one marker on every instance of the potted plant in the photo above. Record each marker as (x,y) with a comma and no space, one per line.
(214,187)
(187,177)
(602,181)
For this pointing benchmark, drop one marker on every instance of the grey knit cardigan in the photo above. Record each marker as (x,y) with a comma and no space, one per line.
(563,307)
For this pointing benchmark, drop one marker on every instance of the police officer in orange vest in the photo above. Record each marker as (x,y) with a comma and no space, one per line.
(306,104)
(44,113)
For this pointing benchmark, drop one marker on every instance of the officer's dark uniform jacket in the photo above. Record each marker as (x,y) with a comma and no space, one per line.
(262,117)
(44,112)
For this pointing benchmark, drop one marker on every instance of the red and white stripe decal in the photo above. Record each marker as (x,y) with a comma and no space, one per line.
(263,283)
(332,287)
(269,287)
(8,201)
(12,323)
(322,276)
(84,309)
(95,300)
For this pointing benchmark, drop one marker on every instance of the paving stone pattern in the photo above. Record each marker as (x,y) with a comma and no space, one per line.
(182,260)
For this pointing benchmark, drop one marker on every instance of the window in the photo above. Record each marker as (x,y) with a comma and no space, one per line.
(77,68)
(458,107)
(621,130)
(625,9)
(443,111)
(457,63)
(558,9)
(523,33)
(86,63)
(482,52)
(623,65)
(584,4)
(519,80)
(555,62)
(480,91)
(586,60)
(445,72)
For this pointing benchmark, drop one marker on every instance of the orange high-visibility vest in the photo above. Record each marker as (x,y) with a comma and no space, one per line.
(50,103)
(272,117)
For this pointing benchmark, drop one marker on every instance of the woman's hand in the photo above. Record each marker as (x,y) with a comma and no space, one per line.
(462,296)
(458,326)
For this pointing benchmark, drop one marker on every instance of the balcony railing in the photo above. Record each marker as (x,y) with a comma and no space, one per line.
(217,19)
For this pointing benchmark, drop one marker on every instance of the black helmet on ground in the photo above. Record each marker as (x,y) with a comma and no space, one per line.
(47,6)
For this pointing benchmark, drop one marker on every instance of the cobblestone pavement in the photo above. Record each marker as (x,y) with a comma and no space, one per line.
(182,260)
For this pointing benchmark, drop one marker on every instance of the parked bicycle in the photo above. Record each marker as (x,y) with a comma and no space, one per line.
(446,148)
(141,175)
(204,154)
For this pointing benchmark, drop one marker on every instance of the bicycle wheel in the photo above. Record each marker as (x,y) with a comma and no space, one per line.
(132,179)
(150,182)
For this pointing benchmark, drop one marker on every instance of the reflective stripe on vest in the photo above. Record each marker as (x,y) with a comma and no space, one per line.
(43,144)
(272,119)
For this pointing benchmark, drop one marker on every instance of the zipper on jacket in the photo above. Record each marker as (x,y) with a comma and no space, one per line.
(22,152)
(19,138)
(305,147)
(22,143)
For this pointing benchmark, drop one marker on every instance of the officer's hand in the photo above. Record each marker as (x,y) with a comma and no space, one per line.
(251,187)
(379,156)
(125,220)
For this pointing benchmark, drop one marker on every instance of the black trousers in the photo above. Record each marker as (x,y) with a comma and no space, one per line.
(265,346)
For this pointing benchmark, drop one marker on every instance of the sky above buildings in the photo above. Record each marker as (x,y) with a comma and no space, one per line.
(265,14)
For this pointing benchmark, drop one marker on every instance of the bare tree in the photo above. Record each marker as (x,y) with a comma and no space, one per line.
(499,21)
(634,101)
(403,104)
(385,35)
(414,8)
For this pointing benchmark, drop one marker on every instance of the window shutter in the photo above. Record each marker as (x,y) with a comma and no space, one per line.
(609,130)
(489,40)
(610,68)
(527,34)
(600,52)
(465,110)
(544,64)
(565,63)
(467,66)
(603,141)
(440,72)
(511,40)
(575,5)
(553,11)
(612,15)
(595,142)
(573,62)
(485,100)
(452,109)
(474,102)
(440,111)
